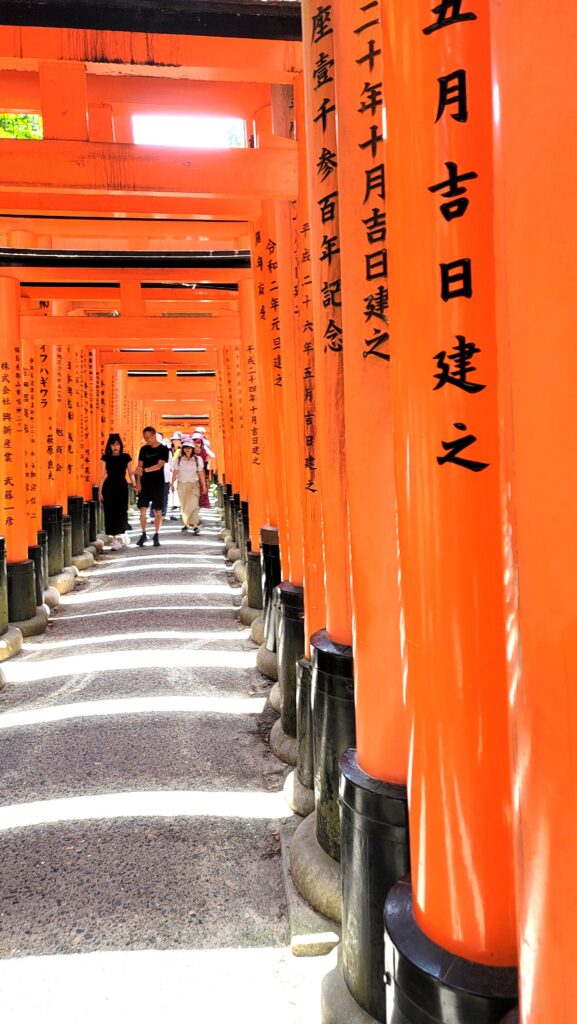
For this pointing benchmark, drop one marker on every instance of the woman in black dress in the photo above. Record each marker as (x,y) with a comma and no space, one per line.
(113,489)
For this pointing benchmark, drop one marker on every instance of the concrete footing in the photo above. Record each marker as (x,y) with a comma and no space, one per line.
(2,680)
(83,561)
(257,631)
(51,597)
(337,1003)
(34,626)
(285,747)
(239,570)
(233,554)
(316,875)
(267,663)
(98,544)
(300,798)
(10,643)
(244,589)
(274,697)
(248,614)
(63,582)
(106,539)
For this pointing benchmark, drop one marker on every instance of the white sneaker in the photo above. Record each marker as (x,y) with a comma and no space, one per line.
(116,545)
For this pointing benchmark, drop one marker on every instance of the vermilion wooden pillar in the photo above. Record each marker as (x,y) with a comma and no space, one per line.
(373,777)
(332,683)
(13,511)
(254,434)
(314,583)
(444,363)
(13,524)
(318,49)
(536,223)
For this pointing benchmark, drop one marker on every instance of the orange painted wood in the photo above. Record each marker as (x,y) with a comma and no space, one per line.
(325,272)
(193,232)
(264,369)
(19,91)
(314,577)
(29,450)
(536,221)
(100,122)
(157,276)
(165,56)
(380,707)
(254,435)
(63,100)
(94,167)
(215,331)
(13,525)
(292,424)
(449,477)
(64,203)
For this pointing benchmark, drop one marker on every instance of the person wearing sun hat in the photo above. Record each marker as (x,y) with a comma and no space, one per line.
(188,476)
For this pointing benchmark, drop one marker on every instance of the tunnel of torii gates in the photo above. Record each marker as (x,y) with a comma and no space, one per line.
(375,320)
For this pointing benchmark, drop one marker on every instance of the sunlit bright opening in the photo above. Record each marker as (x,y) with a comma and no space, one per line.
(189,131)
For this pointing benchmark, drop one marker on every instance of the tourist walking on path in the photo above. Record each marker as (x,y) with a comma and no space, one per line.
(113,488)
(188,475)
(152,458)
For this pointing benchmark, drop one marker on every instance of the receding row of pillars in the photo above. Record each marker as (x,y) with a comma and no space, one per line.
(389,348)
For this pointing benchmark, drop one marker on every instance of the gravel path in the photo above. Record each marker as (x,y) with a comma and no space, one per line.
(140,873)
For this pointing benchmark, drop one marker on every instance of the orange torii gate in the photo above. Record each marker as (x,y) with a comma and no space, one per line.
(383,332)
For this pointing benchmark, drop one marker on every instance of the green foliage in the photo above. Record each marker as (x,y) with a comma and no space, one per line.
(20,126)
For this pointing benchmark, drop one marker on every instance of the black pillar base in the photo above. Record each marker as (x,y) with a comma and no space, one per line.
(21,590)
(305,762)
(86,524)
(291,645)
(3,588)
(426,983)
(93,531)
(254,581)
(374,855)
(76,513)
(333,731)
(270,576)
(67,540)
(52,523)
(42,537)
(245,530)
(35,556)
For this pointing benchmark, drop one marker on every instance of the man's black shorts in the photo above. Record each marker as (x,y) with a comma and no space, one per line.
(151,492)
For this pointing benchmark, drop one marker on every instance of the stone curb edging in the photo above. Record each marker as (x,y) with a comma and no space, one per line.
(10,643)
(316,876)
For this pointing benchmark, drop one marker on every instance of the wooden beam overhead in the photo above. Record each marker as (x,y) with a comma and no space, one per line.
(53,275)
(240,19)
(194,233)
(215,59)
(117,168)
(144,94)
(126,206)
(125,329)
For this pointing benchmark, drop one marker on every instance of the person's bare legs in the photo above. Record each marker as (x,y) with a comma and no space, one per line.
(143,519)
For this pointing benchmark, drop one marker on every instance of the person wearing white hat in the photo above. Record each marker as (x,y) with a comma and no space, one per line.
(188,476)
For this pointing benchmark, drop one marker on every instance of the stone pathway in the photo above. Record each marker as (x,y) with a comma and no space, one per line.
(140,807)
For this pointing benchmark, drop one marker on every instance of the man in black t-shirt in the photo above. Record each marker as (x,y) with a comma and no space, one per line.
(152,459)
